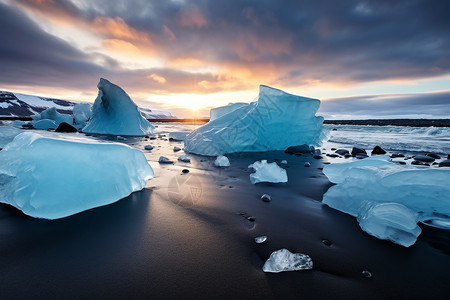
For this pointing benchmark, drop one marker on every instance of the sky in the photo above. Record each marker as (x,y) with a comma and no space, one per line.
(379,58)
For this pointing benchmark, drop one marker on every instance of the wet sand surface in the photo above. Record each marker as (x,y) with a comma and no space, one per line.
(188,236)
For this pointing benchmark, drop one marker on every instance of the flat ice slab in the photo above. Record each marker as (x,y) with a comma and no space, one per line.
(365,183)
(275,121)
(52,178)
(284,260)
(267,172)
(115,113)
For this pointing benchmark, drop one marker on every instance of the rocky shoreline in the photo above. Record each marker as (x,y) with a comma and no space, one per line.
(394,122)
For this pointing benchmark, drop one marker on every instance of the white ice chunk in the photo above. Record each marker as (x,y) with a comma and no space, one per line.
(52,114)
(115,113)
(82,113)
(375,180)
(260,239)
(52,178)
(222,161)
(391,221)
(7,134)
(267,172)
(275,121)
(283,260)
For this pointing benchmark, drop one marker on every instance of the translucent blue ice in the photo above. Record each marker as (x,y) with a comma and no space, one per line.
(267,172)
(82,113)
(52,114)
(365,183)
(52,178)
(115,113)
(275,121)
(283,260)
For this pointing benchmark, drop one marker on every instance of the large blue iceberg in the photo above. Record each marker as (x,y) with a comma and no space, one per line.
(53,178)
(115,113)
(363,185)
(275,121)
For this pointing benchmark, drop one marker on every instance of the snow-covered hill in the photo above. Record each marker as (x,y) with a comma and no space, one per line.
(21,105)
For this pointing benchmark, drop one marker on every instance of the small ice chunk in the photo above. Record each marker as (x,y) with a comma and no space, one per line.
(176,149)
(260,239)
(284,162)
(184,158)
(177,136)
(52,114)
(391,221)
(307,164)
(148,147)
(267,172)
(44,124)
(82,113)
(222,161)
(164,160)
(283,260)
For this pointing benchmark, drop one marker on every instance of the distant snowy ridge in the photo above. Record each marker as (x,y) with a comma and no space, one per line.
(21,105)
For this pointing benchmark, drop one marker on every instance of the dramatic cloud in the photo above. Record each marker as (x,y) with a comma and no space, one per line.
(203,47)
(423,105)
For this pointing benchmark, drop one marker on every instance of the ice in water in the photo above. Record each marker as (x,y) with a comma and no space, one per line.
(115,113)
(222,161)
(283,260)
(260,239)
(275,121)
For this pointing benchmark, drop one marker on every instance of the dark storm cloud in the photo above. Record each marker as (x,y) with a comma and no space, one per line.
(284,43)
(430,104)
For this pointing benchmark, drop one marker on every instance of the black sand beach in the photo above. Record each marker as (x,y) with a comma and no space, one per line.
(188,236)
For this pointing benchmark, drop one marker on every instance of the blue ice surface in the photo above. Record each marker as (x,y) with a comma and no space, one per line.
(362,185)
(50,119)
(275,121)
(52,178)
(115,113)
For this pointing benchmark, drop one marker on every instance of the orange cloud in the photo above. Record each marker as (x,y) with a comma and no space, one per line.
(121,46)
(157,78)
(186,62)
(117,28)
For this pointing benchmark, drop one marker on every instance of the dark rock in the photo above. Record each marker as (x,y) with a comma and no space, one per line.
(448,156)
(317,156)
(332,155)
(332,149)
(1,149)
(342,151)
(377,150)
(394,155)
(65,127)
(299,149)
(334,129)
(266,198)
(326,243)
(185,171)
(402,162)
(356,151)
(347,155)
(445,163)
(433,155)
(435,164)
(251,219)
(153,137)
(417,162)
(423,158)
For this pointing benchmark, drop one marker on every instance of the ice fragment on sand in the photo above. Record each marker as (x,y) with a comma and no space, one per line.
(260,239)
(52,178)
(283,260)
(267,172)
(222,161)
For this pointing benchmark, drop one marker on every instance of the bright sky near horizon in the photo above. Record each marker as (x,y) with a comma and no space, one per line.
(188,56)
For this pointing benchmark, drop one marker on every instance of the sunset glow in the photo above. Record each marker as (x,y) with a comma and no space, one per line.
(187,57)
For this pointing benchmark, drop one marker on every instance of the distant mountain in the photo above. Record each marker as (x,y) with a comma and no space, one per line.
(21,105)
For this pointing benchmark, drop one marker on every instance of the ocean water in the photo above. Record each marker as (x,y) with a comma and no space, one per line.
(391,138)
